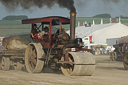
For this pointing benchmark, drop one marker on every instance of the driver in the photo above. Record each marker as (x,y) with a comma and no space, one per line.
(33,31)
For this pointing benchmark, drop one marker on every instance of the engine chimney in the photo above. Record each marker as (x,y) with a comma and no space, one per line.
(72,25)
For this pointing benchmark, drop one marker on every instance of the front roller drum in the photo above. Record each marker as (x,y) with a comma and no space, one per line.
(5,63)
(84,64)
(33,58)
(125,61)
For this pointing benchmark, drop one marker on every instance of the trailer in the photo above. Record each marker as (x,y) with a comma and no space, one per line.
(12,58)
(121,51)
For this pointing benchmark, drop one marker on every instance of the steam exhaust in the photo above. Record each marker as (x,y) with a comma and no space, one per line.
(72,25)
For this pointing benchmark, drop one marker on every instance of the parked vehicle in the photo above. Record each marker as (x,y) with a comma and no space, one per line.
(121,51)
(97,49)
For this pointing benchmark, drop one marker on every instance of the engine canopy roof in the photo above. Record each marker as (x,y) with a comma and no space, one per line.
(47,20)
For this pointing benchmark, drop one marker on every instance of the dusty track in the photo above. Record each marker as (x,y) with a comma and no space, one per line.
(106,73)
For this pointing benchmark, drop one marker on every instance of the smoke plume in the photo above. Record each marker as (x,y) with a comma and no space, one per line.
(114,1)
(27,4)
(90,8)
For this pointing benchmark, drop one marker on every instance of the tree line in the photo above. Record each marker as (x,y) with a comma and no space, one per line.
(13,17)
(105,15)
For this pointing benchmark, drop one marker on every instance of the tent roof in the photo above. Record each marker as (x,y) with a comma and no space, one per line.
(83,31)
(102,32)
(115,31)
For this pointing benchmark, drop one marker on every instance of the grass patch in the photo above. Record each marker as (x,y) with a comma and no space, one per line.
(16,27)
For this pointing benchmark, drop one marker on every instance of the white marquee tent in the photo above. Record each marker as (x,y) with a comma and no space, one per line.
(101,32)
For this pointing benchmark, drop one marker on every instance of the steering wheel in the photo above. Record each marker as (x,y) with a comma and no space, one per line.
(35,37)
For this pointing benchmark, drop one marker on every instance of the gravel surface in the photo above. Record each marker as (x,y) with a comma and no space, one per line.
(107,72)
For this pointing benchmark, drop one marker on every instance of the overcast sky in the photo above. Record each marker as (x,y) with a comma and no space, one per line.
(84,8)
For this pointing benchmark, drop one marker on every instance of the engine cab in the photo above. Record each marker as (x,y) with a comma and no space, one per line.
(52,32)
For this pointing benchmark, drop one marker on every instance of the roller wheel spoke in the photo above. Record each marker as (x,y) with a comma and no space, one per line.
(32,57)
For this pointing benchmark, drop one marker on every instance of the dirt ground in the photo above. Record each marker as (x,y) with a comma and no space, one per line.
(106,73)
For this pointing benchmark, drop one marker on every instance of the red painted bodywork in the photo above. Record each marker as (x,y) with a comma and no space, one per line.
(47,20)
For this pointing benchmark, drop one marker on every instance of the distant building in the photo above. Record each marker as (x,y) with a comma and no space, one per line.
(111,41)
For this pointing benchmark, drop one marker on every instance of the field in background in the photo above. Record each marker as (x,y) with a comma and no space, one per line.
(98,20)
(8,28)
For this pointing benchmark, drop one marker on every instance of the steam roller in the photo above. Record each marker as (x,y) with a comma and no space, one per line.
(79,63)
(59,50)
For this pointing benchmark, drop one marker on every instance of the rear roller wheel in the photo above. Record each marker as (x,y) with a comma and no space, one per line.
(125,61)
(84,64)
(5,63)
(18,66)
(33,58)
